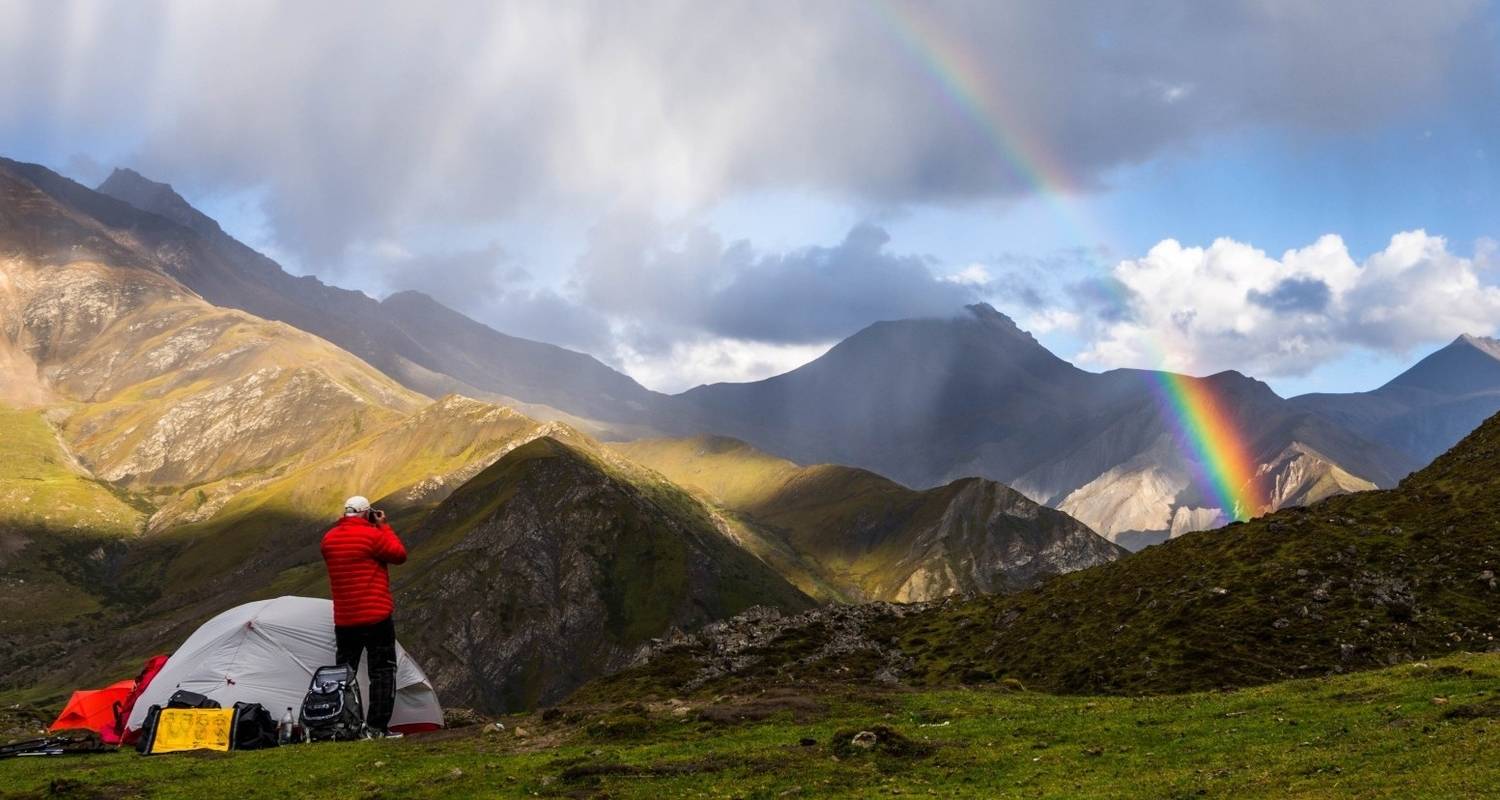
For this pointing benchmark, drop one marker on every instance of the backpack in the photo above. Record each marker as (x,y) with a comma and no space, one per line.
(254,728)
(183,698)
(331,709)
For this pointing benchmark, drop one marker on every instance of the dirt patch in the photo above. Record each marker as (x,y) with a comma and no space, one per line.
(881,740)
(625,723)
(18,723)
(801,707)
(592,772)
(1486,709)
(78,790)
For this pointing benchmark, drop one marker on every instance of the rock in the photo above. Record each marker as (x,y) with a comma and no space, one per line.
(1320,594)
(494,728)
(522,733)
(1281,623)
(1219,591)
(461,718)
(455,773)
(864,740)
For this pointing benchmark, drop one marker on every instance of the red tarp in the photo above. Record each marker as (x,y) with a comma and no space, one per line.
(94,709)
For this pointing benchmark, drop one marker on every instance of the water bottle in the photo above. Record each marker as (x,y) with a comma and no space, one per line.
(284,730)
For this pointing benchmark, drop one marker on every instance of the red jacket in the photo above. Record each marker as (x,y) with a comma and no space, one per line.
(357,554)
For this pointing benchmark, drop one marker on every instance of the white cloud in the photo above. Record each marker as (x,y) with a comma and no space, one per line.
(686,364)
(1231,306)
(972,275)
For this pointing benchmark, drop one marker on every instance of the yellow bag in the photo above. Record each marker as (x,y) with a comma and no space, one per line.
(179,729)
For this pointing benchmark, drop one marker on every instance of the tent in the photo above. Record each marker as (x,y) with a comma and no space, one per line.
(265,652)
(94,709)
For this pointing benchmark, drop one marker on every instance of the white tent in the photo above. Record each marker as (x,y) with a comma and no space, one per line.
(265,652)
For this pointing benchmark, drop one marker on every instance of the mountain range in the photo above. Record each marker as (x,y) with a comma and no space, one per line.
(165,457)
(923,401)
(1358,581)
(180,414)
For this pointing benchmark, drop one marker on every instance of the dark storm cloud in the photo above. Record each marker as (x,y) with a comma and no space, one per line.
(1293,295)
(359,119)
(808,295)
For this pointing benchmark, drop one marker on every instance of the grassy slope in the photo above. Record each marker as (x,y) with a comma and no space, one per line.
(41,488)
(57,526)
(652,555)
(1354,582)
(1408,732)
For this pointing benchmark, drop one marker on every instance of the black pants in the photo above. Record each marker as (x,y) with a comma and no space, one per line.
(380,640)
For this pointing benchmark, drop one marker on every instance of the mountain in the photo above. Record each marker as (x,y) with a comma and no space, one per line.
(1358,581)
(163,458)
(848,534)
(409,336)
(1426,409)
(554,566)
(928,401)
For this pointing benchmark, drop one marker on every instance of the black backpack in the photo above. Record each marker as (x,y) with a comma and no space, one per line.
(331,709)
(183,698)
(254,728)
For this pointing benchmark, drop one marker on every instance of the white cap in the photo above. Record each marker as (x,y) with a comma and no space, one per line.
(356,505)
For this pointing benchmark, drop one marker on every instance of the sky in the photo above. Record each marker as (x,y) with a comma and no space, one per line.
(696,192)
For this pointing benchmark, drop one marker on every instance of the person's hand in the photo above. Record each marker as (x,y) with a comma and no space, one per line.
(379,517)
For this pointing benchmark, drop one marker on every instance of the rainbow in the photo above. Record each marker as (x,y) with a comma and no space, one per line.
(1203,424)
(1209,431)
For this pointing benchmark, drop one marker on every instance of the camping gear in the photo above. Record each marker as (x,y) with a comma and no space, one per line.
(76,742)
(254,729)
(95,710)
(265,652)
(183,698)
(179,729)
(152,666)
(331,709)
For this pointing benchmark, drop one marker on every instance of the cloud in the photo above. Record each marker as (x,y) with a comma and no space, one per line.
(1231,306)
(368,120)
(1293,295)
(679,283)
(685,364)
(486,284)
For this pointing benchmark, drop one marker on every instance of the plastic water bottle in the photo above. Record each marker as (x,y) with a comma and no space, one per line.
(284,730)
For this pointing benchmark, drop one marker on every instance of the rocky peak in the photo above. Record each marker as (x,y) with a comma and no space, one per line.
(1469,364)
(129,186)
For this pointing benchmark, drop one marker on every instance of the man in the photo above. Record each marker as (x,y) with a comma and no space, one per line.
(359,551)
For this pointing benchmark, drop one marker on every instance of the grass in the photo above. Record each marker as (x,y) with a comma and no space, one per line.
(41,488)
(1421,730)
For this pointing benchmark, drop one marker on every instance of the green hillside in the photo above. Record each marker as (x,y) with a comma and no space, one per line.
(1354,582)
(553,566)
(1416,731)
(43,488)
